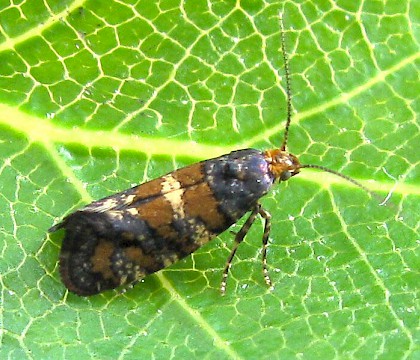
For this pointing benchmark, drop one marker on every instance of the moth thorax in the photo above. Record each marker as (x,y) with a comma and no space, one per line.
(282,164)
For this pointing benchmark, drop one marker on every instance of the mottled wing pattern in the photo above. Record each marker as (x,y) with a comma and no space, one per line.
(124,237)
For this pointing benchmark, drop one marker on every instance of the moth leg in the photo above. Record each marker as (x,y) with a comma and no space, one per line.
(267,227)
(238,239)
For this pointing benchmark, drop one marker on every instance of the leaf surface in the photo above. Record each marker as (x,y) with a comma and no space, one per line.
(98,96)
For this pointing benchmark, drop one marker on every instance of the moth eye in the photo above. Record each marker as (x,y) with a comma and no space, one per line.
(285,175)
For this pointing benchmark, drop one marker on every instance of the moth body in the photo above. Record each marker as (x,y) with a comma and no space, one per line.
(124,237)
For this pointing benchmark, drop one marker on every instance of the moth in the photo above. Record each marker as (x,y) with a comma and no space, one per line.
(122,238)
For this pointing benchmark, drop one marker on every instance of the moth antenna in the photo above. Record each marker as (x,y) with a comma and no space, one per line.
(288,88)
(348,178)
(345,177)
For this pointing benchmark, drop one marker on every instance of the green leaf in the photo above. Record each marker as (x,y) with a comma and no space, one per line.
(98,96)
